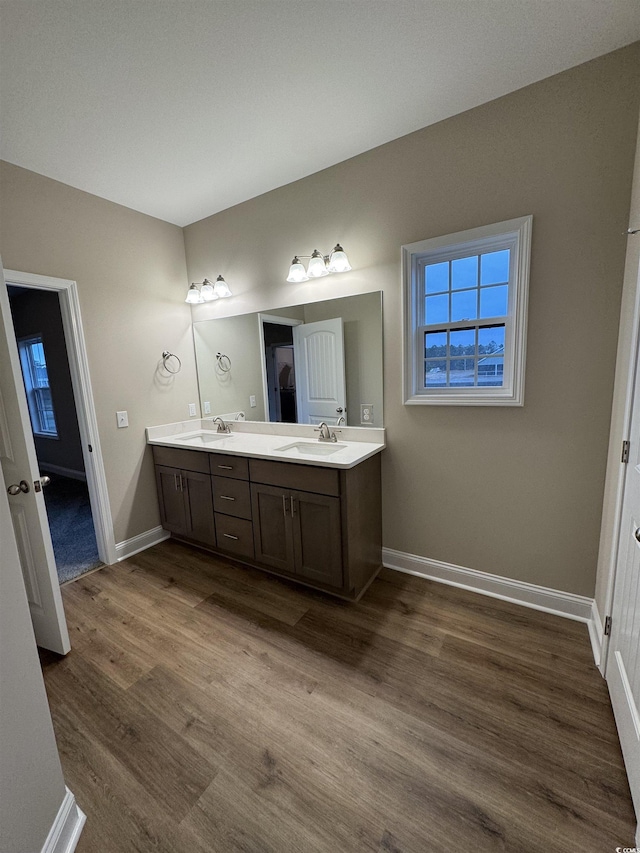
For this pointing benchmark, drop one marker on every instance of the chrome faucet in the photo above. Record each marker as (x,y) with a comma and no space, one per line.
(341,421)
(222,427)
(325,433)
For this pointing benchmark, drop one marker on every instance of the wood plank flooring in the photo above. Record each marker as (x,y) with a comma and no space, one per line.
(207,708)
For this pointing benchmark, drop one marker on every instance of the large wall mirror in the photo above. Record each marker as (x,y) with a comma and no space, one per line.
(302,364)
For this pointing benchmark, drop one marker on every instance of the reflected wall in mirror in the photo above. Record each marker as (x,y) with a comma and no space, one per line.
(302,364)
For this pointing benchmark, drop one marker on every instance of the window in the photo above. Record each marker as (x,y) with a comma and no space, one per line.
(465,316)
(36,383)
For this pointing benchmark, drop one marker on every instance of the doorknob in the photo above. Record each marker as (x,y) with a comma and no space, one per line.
(44,481)
(637,533)
(15,489)
(340,410)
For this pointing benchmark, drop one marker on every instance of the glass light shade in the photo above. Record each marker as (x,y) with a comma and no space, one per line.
(339,262)
(193,295)
(221,288)
(297,272)
(317,266)
(207,291)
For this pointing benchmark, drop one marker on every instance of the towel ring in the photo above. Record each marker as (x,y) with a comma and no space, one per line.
(224,362)
(166,355)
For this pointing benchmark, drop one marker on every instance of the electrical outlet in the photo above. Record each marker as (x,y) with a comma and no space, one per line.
(252,401)
(366,413)
(192,410)
(207,407)
(122,419)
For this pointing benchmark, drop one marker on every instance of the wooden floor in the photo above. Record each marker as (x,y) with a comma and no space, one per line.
(207,708)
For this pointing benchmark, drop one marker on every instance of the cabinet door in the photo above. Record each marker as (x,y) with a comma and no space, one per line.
(171,499)
(317,537)
(198,499)
(272,526)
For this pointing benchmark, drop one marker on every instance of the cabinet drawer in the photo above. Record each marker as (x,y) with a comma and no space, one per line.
(188,460)
(224,465)
(231,497)
(234,535)
(308,478)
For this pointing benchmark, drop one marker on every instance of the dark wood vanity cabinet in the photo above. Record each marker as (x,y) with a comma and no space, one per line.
(318,525)
(298,530)
(186,504)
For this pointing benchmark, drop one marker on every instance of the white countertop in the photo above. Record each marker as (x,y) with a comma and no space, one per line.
(296,443)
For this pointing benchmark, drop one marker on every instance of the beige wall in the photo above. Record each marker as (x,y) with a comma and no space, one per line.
(239,339)
(515,491)
(130,270)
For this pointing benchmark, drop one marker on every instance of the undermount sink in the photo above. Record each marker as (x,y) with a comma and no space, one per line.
(312,448)
(202,439)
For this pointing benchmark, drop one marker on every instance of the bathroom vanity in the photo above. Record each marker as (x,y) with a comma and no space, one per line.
(276,498)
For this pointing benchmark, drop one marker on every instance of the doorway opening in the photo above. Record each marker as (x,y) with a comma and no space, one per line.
(44,361)
(281,373)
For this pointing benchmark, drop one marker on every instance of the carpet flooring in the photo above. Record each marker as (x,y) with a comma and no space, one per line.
(71,524)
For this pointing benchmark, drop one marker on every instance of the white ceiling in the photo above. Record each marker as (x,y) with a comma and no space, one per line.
(181,108)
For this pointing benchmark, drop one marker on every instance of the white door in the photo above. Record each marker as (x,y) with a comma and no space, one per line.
(320,378)
(28,512)
(623,657)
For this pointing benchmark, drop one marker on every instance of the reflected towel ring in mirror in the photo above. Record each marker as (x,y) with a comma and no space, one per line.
(224,362)
(166,355)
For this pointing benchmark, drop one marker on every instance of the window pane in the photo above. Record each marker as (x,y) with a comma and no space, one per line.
(435,373)
(464,273)
(494,267)
(436,277)
(435,344)
(462,372)
(490,371)
(463,342)
(437,309)
(464,305)
(46,418)
(491,339)
(493,301)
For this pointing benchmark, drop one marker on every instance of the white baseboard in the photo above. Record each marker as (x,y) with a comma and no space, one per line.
(596,635)
(67,827)
(554,601)
(64,472)
(140,542)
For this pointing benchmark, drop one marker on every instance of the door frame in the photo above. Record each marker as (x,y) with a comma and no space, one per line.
(67,291)
(278,321)
(629,368)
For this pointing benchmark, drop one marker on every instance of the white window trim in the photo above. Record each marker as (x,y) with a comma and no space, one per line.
(514,234)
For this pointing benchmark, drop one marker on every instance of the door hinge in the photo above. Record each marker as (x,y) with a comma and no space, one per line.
(625,451)
(607,626)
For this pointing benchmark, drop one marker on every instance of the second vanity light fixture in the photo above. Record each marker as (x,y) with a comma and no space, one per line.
(207,292)
(319,265)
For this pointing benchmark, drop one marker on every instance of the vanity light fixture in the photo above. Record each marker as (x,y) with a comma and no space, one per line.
(207,292)
(319,265)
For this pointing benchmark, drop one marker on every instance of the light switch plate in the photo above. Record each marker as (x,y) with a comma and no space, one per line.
(207,407)
(192,410)
(252,401)
(122,419)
